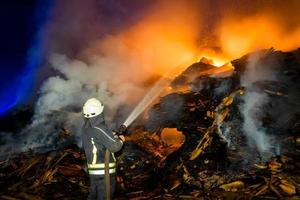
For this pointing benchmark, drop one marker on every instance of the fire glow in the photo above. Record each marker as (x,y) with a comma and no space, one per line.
(166,39)
(256,32)
(162,42)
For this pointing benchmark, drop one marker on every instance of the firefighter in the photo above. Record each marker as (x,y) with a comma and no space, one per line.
(99,144)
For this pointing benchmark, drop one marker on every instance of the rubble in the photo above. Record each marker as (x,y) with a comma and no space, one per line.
(234,186)
(58,174)
(213,161)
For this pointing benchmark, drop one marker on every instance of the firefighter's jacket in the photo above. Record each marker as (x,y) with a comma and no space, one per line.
(96,138)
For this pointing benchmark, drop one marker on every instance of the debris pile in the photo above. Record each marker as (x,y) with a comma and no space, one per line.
(56,174)
(212,158)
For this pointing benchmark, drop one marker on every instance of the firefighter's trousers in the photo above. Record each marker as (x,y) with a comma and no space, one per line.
(97,190)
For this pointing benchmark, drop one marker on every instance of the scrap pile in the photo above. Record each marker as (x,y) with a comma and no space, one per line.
(54,175)
(210,157)
(216,160)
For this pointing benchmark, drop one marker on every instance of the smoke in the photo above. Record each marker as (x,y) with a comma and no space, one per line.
(251,126)
(80,81)
(113,66)
(111,49)
(116,66)
(257,70)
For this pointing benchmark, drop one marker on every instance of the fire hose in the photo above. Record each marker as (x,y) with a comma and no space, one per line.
(122,131)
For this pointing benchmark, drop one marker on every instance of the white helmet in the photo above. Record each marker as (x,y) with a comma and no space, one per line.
(92,107)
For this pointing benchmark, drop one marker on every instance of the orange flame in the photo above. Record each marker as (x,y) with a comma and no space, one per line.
(164,42)
(168,39)
(240,37)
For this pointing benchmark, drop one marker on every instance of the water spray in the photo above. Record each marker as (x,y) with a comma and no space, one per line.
(154,92)
(146,101)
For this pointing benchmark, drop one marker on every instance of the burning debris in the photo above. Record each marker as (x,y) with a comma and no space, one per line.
(215,133)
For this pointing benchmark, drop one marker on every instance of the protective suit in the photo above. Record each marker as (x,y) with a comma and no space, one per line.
(99,144)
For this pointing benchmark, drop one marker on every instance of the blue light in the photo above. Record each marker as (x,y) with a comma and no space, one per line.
(20,89)
(8,101)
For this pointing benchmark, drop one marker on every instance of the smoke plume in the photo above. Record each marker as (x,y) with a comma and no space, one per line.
(113,49)
(258,70)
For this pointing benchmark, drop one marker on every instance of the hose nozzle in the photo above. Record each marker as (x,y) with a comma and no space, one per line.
(122,130)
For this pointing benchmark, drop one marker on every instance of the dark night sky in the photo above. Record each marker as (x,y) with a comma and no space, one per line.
(19,24)
(16,33)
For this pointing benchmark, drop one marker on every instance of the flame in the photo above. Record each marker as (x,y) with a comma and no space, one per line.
(216,59)
(239,37)
(168,39)
(172,136)
(257,32)
(164,42)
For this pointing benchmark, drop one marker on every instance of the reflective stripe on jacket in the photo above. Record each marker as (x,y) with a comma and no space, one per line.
(101,171)
(99,168)
(96,138)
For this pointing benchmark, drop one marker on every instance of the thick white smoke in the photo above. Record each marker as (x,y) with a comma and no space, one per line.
(254,100)
(251,110)
(65,94)
(61,98)
(79,81)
